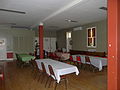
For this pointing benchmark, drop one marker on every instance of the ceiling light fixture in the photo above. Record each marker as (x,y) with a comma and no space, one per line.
(7,23)
(21,27)
(69,20)
(13,11)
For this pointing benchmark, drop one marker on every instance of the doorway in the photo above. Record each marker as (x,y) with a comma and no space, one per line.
(68,41)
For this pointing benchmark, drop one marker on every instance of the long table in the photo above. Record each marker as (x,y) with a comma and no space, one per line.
(59,68)
(98,62)
(63,56)
(25,57)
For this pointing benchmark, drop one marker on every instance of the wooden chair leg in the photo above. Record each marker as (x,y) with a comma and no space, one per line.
(2,84)
(35,75)
(50,83)
(55,85)
(42,78)
(79,65)
(47,81)
(94,69)
(66,84)
(39,76)
(85,65)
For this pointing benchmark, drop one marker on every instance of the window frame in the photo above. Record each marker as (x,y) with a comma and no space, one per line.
(92,37)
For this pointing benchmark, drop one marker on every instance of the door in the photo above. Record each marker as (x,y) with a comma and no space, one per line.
(49,44)
(46,44)
(68,41)
(53,44)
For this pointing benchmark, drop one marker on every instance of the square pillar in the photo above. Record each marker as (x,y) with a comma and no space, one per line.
(41,41)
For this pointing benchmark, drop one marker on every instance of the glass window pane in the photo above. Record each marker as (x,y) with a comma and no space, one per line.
(89,32)
(91,36)
(89,41)
(93,32)
(94,42)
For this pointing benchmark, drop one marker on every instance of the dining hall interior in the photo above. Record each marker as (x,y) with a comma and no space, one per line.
(59,45)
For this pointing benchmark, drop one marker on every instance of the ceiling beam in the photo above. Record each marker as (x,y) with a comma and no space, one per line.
(68,6)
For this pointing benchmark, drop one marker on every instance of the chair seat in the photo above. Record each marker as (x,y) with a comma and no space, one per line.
(79,61)
(63,76)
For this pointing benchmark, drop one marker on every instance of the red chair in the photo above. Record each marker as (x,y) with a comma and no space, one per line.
(52,76)
(35,70)
(87,60)
(56,57)
(71,59)
(88,63)
(44,72)
(51,55)
(78,59)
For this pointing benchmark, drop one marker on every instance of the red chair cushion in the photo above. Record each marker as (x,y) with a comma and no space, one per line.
(71,58)
(78,59)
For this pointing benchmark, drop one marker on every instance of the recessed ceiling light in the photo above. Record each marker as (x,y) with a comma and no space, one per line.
(12,11)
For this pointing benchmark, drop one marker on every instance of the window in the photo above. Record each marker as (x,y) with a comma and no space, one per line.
(91,37)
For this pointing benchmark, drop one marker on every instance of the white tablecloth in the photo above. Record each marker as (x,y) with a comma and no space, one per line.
(59,68)
(98,62)
(63,56)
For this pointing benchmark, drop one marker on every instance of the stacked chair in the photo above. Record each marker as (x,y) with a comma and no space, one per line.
(78,60)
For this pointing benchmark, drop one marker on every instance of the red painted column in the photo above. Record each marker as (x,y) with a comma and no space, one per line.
(113,45)
(41,40)
(118,44)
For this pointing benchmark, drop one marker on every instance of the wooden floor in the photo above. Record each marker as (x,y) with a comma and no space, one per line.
(22,79)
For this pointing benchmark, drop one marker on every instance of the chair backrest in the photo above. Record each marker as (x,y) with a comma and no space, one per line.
(87,59)
(51,55)
(71,58)
(43,67)
(78,58)
(51,70)
(17,56)
(34,64)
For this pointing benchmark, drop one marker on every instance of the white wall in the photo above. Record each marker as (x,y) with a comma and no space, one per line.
(18,40)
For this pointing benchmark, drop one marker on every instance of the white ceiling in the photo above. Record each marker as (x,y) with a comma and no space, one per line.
(52,12)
